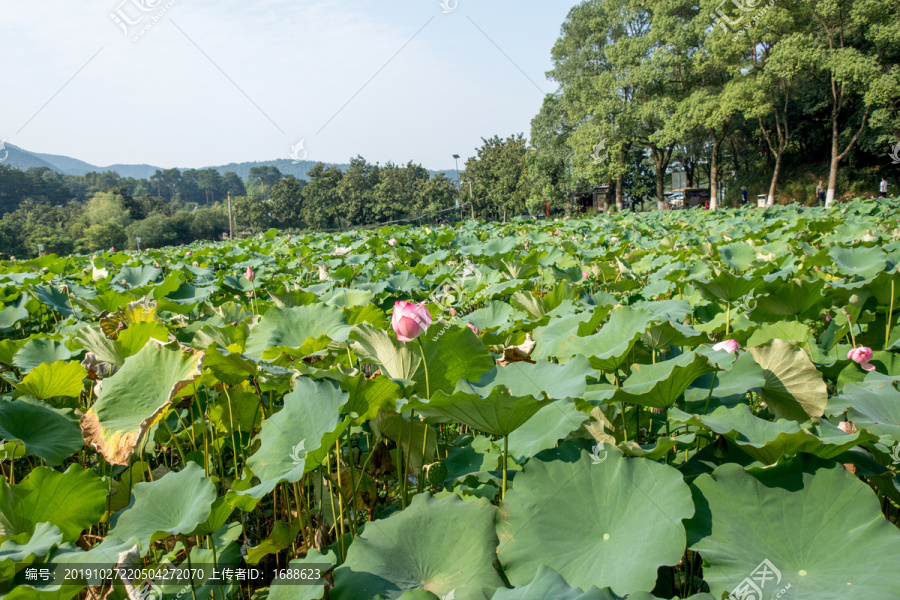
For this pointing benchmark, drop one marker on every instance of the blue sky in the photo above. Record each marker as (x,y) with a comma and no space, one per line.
(213,82)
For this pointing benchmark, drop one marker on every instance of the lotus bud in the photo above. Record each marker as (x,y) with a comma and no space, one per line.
(410,320)
(614,239)
(862,356)
(585,275)
(392,242)
(473,328)
(112,249)
(729,346)
(452,312)
(721,447)
(249,274)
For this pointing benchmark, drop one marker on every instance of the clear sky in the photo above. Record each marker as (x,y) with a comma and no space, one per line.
(213,82)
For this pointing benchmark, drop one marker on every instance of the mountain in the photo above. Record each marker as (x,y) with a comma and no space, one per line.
(66,165)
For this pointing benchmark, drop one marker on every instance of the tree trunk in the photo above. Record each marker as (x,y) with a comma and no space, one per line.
(770,201)
(620,187)
(714,175)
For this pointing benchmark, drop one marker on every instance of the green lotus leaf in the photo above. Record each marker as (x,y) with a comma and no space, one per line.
(794,387)
(550,339)
(658,385)
(105,349)
(136,397)
(820,529)
(738,256)
(767,442)
(452,354)
(496,315)
(789,331)
(413,437)
(133,339)
(608,349)
(189,294)
(392,556)
(792,298)
(553,422)
(542,520)
(48,433)
(16,553)
(860,261)
(298,331)
(479,456)
(56,300)
(73,501)
(506,397)
(11,315)
(740,376)
(660,337)
(174,504)
(727,287)
(56,380)
(38,351)
(294,440)
(396,359)
(874,407)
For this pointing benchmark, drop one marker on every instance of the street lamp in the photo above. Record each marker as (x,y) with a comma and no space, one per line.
(458,187)
(138,242)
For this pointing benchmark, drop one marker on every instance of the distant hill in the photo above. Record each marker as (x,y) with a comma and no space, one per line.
(66,165)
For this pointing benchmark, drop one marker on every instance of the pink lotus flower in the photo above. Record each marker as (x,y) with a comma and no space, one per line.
(189,254)
(249,274)
(585,275)
(862,356)
(113,249)
(452,312)
(392,242)
(614,239)
(473,328)
(729,346)
(410,320)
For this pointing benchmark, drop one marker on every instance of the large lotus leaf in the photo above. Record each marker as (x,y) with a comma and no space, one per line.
(133,339)
(551,423)
(47,433)
(789,331)
(607,350)
(189,294)
(174,504)
(136,398)
(580,519)
(54,380)
(660,337)
(860,261)
(496,315)
(480,456)
(45,537)
(737,256)
(813,521)
(658,385)
(506,397)
(442,546)
(104,348)
(132,277)
(396,359)
(727,287)
(298,331)
(794,387)
(37,351)
(452,354)
(294,440)
(792,298)
(73,501)
(874,407)
(768,441)
(11,315)
(731,385)
(56,300)
(550,338)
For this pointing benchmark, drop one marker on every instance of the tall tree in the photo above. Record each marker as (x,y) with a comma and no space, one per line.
(498,171)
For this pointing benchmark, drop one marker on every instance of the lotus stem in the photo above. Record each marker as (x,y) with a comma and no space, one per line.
(505,459)
(887,333)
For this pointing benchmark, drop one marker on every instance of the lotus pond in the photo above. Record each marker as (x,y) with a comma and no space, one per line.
(661,405)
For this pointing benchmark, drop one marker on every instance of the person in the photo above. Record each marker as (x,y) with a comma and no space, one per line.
(743,195)
(883,188)
(820,194)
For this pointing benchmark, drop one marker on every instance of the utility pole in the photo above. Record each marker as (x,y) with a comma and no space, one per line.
(471,197)
(230,223)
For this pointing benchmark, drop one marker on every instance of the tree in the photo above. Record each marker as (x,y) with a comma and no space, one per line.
(268,176)
(287,203)
(498,170)
(321,200)
(107,207)
(105,235)
(232,184)
(548,159)
(357,192)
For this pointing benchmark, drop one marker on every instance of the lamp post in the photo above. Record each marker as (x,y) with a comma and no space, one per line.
(458,184)
(137,240)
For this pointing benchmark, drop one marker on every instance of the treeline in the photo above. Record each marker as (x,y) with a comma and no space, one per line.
(66,214)
(774,96)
